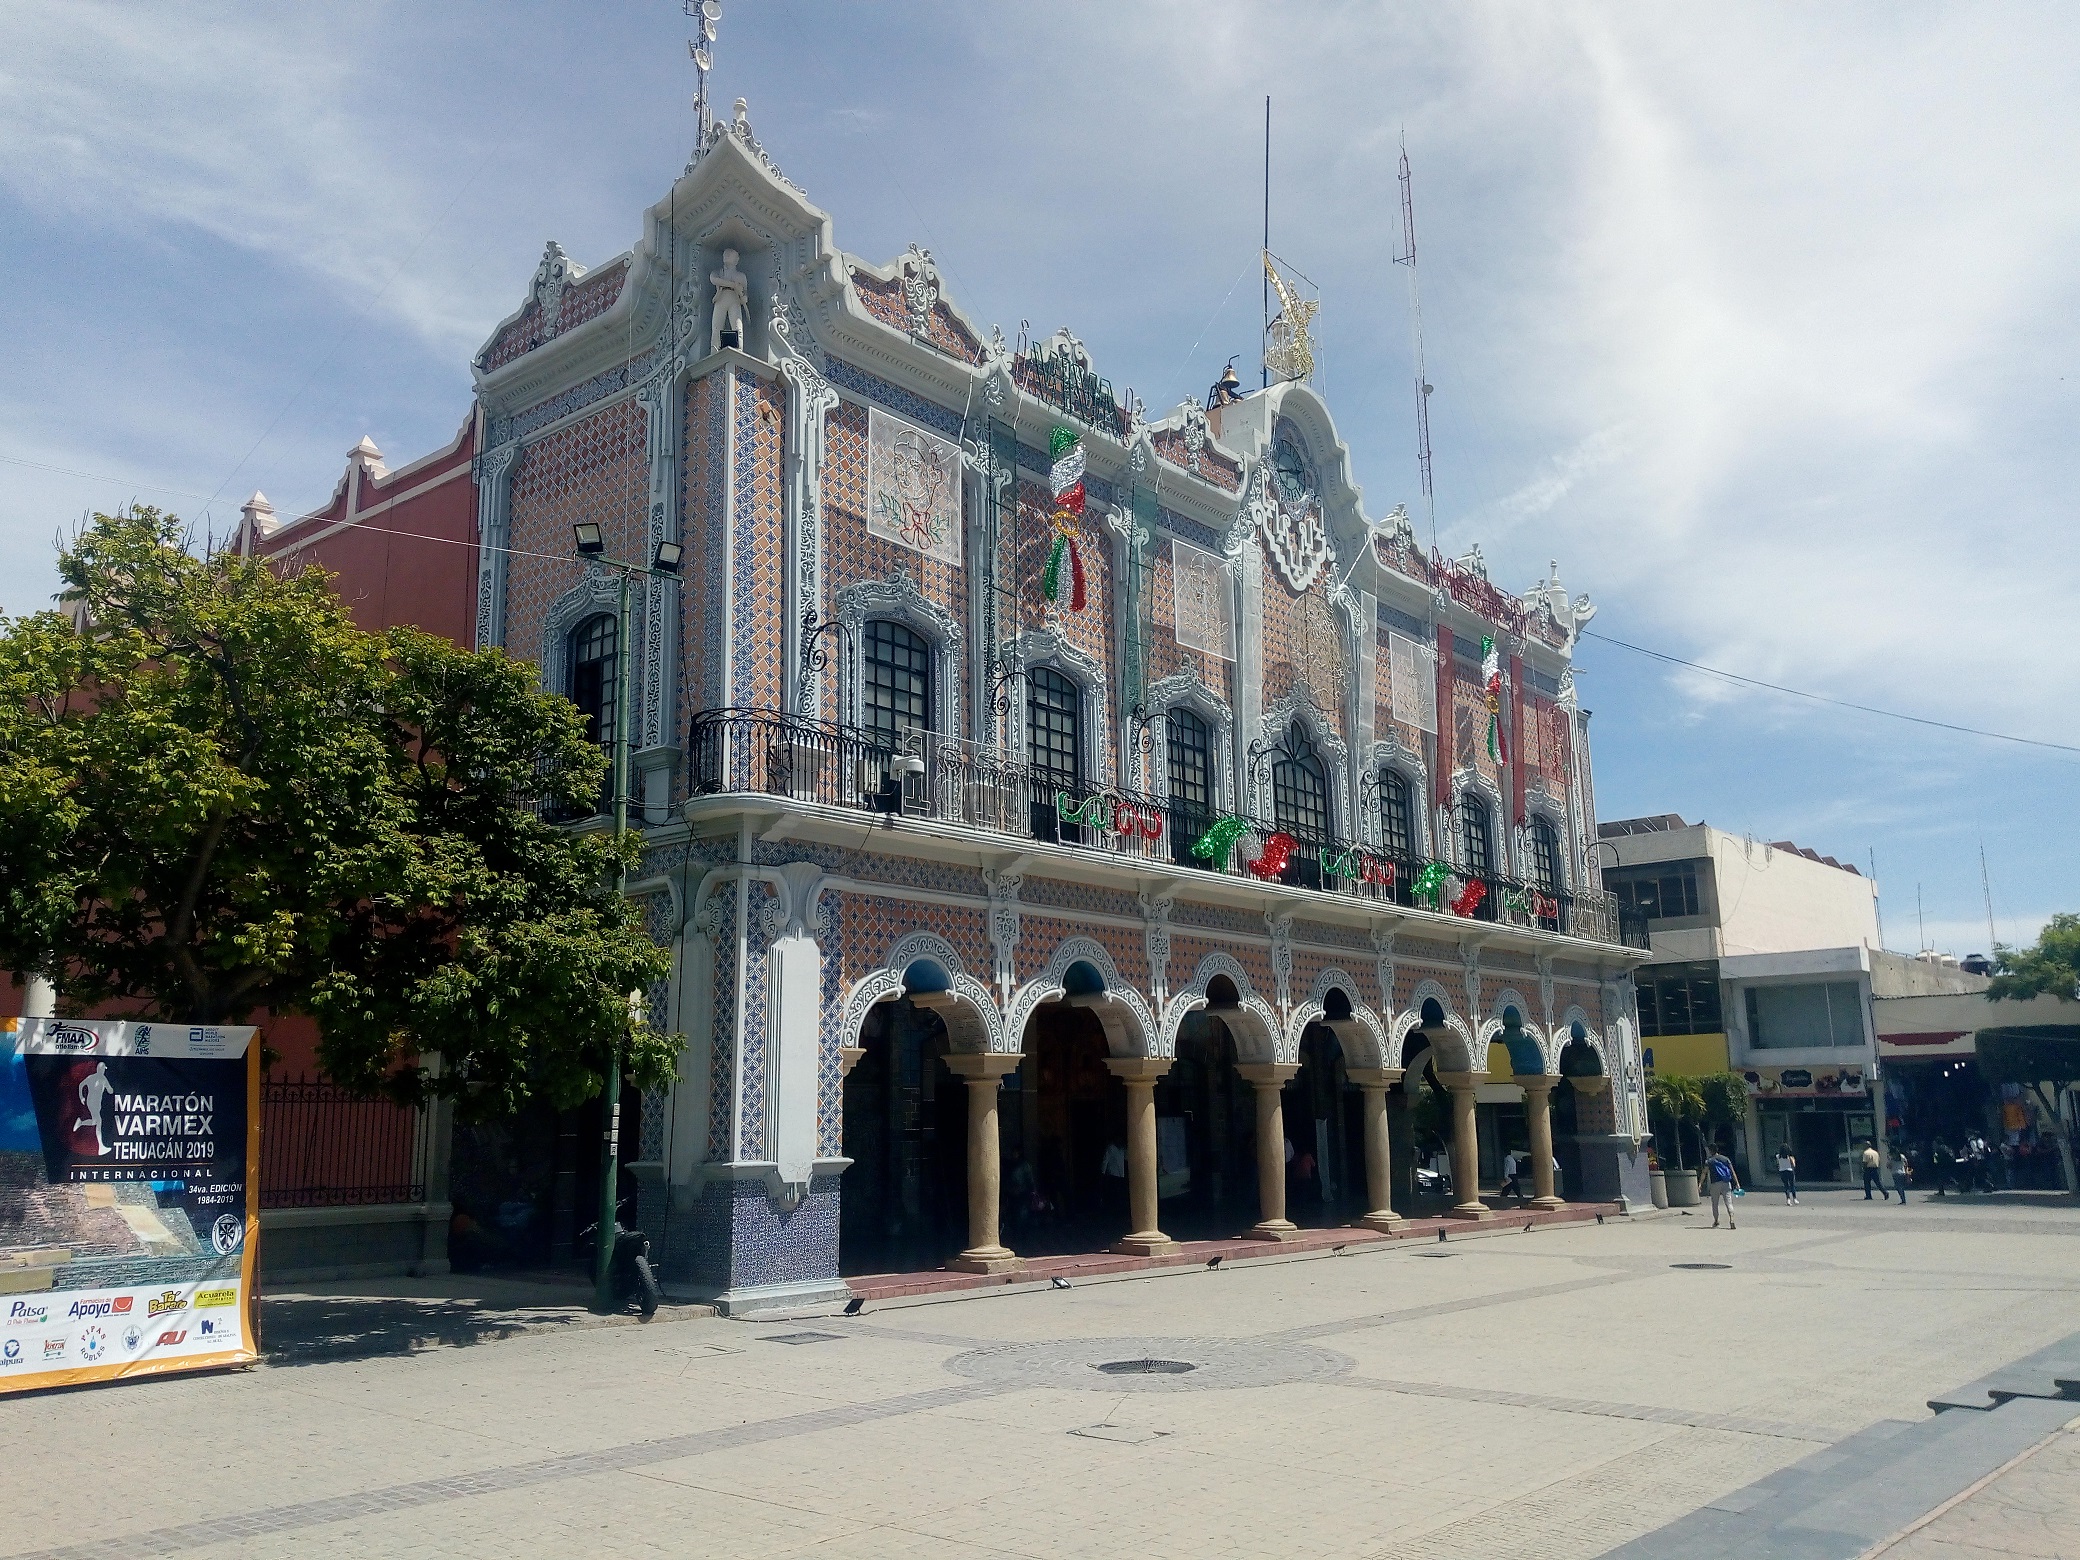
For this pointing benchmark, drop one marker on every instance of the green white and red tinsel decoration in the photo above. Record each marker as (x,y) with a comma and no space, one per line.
(1065,481)
(1491,688)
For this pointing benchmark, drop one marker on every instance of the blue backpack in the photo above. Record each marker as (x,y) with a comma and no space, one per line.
(1721,1170)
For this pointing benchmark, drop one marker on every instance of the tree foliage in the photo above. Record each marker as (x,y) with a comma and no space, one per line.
(222,797)
(1678,1101)
(2050,968)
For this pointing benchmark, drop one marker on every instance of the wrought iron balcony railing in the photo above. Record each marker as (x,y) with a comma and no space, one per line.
(922,775)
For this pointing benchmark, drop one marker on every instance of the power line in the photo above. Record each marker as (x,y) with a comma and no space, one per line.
(102,476)
(1821,698)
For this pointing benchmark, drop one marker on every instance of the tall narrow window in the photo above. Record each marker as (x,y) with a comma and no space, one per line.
(1191,782)
(1054,727)
(1054,749)
(896,695)
(1300,790)
(594,656)
(1191,762)
(1397,832)
(1545,856)
(1477,844)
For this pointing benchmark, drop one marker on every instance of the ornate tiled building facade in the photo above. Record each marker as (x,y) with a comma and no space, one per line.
(881,766)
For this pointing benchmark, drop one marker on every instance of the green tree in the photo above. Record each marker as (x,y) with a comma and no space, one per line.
(1677,1101)
(221,797)
(1725,1096)
(2051,968)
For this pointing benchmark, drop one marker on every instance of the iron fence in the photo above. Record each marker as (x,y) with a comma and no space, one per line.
(950,781)
(323,1146)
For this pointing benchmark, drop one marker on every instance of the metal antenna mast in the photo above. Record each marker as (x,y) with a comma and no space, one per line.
(1415,314)
(1986,887)
(1266,337)
(705,15)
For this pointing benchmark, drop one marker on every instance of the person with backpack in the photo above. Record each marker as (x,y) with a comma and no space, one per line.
(1721,1180)
(1787,1172)
(1871,1162)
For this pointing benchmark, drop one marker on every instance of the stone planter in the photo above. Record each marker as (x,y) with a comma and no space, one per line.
(1682,1188)
(1658,1186)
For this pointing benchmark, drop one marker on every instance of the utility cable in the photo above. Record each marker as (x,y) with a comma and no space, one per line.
(1821,698)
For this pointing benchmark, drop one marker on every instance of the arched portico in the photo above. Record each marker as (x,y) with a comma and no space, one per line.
(925,1158)
(1448,1051)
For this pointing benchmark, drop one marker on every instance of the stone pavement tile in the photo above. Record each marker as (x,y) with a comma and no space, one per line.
(621,1514)
(2031,1510)
(159,1432)
(1596,1508)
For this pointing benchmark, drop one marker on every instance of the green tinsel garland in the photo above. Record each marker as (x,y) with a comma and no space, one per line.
(1051,576)
(1218,840)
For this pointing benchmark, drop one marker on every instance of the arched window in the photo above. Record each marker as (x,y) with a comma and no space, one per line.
(1054,748)
(1300,790)
(1191,782)
(1397,825)
(896,691)
(1477,844)
(593,657)
(1300,805)
(1545,856)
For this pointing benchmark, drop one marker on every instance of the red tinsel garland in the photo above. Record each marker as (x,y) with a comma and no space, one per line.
(1278,850)
(1470,897)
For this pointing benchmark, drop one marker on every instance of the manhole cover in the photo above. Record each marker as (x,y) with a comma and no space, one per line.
(1704,1267)
(1145,1363)
(803,1337)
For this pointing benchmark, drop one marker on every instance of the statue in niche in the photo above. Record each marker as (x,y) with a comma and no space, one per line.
(732,305)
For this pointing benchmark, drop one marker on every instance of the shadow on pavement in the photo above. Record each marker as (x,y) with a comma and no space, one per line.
(388,1318)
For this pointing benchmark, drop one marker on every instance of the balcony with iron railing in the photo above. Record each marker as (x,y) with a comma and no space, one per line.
(956,783)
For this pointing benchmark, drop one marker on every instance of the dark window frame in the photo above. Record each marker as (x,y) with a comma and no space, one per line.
(592,669)
(1397,814)
(1476,835)
(896,667)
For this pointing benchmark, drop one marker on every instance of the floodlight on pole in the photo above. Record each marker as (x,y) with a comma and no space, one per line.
(669,556)
(591,541)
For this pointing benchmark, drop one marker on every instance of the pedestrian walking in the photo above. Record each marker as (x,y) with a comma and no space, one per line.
(1787,1172)
(1871,1164)
(1943,1163)
(1512,1168)
(1901,1174)
(1721,1180)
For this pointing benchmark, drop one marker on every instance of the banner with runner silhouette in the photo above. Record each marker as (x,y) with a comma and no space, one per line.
(129,1213)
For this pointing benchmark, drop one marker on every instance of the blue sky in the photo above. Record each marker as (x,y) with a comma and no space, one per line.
(1761,319)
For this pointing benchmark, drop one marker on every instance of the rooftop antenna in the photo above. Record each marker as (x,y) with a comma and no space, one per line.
(1415,314)
(705,15)
(1266,337)
(1920,922)
(1993,937)
(1877,899)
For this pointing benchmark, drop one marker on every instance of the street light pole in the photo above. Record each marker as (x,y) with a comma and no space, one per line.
(591,544)
(610,1099)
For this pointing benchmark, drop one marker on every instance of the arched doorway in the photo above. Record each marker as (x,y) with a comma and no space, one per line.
(903,1203)
(1065,1136)
(1216,1192)
(1325,1183)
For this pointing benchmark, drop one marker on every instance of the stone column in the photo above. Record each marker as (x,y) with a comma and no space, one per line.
(984,1072)
(1268,1078)
(1379,1163)
(1466,1150)
(1139,1074)
(1538,1109)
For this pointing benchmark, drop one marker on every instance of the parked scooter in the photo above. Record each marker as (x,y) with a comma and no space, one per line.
(630,1272)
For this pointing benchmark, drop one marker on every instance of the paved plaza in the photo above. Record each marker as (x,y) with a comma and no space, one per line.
(1559,1392)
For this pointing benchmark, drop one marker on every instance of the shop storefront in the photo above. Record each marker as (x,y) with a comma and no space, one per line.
(1824,1115)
